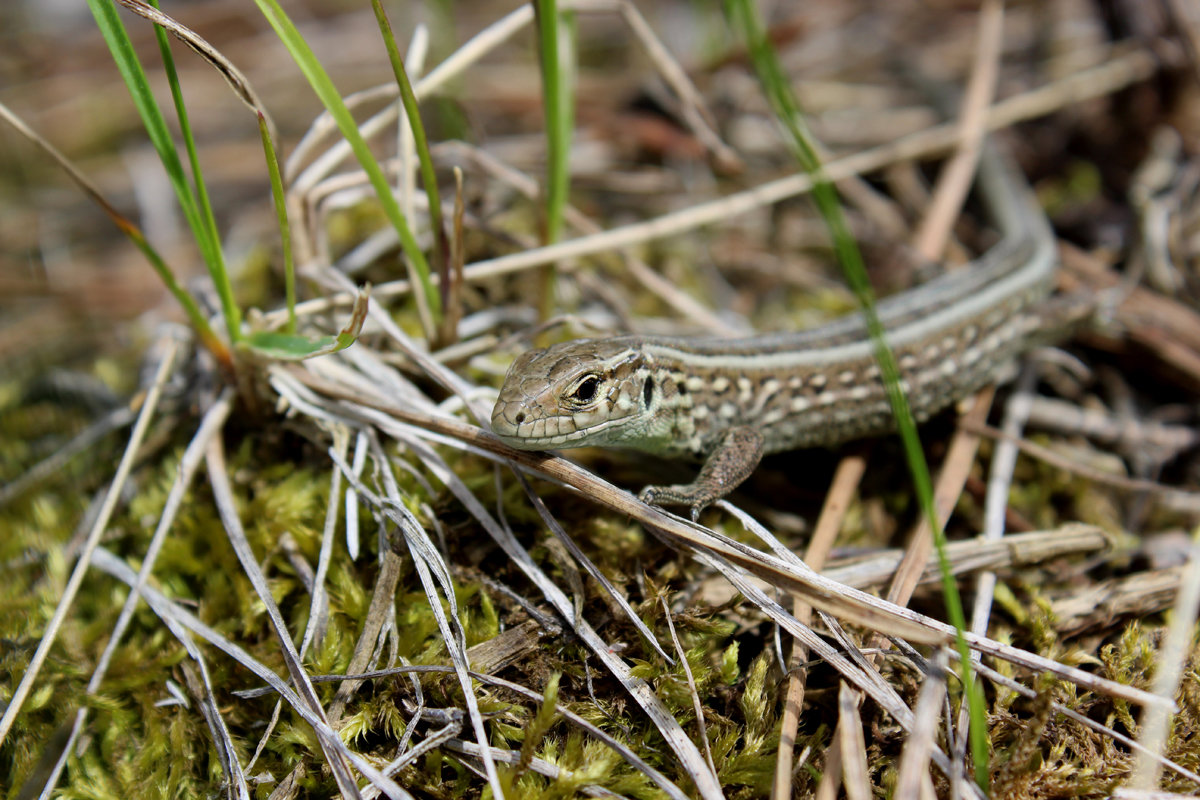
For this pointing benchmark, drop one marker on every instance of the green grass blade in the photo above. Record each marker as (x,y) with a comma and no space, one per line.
(559,112)
(207,236)
(787,109)
(426,295)
(441,256)
(153,121)
(285,229)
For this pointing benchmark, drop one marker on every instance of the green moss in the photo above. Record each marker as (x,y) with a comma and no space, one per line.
(140,742)
(140,747)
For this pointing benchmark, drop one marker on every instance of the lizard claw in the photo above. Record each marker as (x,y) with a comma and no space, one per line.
(695,499)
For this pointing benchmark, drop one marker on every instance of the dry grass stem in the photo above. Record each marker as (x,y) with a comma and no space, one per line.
(946,491)
(975,555)
(1165,495)
(1119,71)
(853,745)
(845,482)
(914,762)
(957,174)
(517,623)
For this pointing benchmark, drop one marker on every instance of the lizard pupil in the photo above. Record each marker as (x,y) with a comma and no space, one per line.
(648,391)
(586,390)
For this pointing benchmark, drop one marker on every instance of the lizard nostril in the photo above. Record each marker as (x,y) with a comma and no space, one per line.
(519,418)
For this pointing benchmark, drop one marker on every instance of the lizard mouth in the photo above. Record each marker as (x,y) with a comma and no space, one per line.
(516,427)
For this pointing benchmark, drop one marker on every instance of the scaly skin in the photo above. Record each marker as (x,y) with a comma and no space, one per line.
(731,401)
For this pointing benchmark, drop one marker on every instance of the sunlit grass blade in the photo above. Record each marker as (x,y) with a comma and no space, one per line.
(787,110)
(285,229)
(554,48)
(241,87)
(558,110)
(207,236)
(424,159)
(427,298)
(155,124)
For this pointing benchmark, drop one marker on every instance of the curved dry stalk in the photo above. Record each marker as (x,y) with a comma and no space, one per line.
(697,706)
(233,76)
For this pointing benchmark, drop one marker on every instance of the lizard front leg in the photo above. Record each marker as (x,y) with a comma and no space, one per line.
(731,462)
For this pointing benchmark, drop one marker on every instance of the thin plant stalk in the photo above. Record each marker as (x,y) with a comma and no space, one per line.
(285,228)
(135,79)
(425,160)
(788,111)
(211,238)
(285,345)
(427,299)
(557,102)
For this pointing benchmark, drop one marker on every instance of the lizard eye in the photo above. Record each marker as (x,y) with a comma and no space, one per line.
(586,390)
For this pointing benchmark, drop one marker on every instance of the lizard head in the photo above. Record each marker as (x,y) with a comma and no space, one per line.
(575,394)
